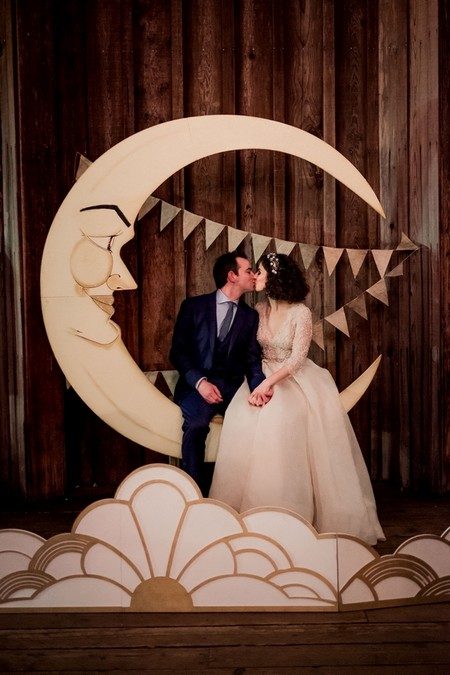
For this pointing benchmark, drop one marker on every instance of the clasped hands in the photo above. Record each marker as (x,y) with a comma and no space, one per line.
(259,396)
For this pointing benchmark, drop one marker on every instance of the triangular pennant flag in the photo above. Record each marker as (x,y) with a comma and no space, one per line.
(332,256)
(190,222)
(317,334)
(382,258)
(83,163)
(339,321)
(235,237)
(396,271)
(308,252)
(151,375)
(171,378)
(259,242)
(283,246)
(212,231)
(356,258)
(168,213)
(406,244)
(379,291)
(358,305)
(147,206)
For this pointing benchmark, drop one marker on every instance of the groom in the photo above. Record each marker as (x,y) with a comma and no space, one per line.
(214,347)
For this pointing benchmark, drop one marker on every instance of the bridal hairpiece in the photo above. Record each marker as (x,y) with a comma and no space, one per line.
(274,262)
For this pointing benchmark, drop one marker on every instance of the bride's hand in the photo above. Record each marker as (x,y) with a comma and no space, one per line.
(261,395)
(257,400)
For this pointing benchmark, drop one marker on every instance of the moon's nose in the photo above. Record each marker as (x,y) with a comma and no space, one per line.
(121,282)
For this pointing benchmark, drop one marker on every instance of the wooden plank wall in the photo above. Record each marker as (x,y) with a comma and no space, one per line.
(362,75)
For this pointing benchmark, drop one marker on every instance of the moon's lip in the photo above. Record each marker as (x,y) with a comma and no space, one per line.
(105,302)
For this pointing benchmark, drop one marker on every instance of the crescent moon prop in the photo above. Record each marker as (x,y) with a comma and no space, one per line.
(81,264)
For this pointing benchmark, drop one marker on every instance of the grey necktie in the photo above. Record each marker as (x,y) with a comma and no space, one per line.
(226,323)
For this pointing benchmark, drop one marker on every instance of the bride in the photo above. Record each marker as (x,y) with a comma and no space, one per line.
(299,450)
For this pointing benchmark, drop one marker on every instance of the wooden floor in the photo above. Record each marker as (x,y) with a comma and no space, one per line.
(396,640)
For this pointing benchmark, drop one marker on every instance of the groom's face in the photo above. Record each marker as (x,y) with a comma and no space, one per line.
(245,279)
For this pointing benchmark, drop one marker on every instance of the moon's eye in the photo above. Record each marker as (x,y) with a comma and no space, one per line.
(91,262)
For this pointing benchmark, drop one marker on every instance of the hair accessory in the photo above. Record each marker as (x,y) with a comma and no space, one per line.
(274,262)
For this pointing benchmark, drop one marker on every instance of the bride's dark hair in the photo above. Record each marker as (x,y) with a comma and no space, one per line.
(285,280)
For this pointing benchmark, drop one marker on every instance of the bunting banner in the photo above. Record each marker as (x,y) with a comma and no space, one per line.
(147,206)
(308,252)
(212,231)
(406,244)
(235,237)
(356,258)
(81,164)
(259,243)
(168,213)
(379,291)
(339,321)
(190,222)
(382,258)
(358,305)
(332,256)
(397,271)
(283,246)
(171,378)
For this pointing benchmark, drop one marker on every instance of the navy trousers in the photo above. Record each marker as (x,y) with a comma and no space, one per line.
(197,414)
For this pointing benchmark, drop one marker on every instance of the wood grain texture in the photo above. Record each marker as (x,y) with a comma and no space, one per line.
(395,640)
(370,78)
(38,184)
(444,231)
(352,226)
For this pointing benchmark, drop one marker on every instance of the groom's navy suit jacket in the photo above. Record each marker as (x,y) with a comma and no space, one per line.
(194,340)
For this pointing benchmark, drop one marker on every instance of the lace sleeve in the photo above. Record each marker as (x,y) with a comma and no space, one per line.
(301,339)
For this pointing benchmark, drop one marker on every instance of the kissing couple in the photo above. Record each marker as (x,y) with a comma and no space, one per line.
(286,439)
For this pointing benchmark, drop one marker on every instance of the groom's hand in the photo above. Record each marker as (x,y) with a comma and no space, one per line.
(209,392)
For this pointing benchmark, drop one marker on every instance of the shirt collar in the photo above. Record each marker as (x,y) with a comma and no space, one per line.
(221,298)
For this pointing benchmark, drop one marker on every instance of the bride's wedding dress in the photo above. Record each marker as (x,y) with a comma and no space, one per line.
(299,451)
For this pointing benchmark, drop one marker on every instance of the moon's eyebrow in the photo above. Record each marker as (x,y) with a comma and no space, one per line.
(113,207)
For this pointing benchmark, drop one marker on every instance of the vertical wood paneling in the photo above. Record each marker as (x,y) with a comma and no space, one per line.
(444,230)
(393,126)
(304,109)
(281,53)
(39,200)
(424,216)
(255,41)
(154,85)
(110,118)
(363,76)
(210,182)
(12,438)
(351,35)
(329,183)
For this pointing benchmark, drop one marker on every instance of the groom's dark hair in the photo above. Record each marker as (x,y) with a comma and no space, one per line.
(224,264)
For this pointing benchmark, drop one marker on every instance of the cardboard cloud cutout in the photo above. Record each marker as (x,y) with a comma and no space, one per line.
(158,546)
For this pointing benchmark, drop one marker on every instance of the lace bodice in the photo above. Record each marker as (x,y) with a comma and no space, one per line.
(289,345)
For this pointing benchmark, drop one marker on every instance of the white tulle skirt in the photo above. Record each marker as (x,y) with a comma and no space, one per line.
(299,452)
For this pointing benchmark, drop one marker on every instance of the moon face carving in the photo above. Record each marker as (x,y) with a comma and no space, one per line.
(82,268)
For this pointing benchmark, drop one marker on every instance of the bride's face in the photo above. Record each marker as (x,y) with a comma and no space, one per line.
(261,278)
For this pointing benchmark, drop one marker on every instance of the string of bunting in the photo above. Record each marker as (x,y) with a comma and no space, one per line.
(332,255)
(356,257)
